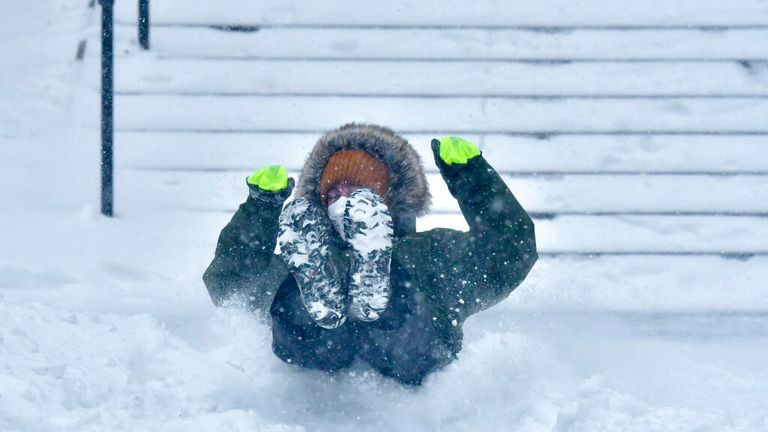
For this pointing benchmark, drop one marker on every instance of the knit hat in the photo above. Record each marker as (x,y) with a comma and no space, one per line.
(356,167)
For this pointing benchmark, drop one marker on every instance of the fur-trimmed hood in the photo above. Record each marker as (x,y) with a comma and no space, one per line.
(408,189)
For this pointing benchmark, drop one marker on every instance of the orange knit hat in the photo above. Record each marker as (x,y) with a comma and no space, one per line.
(354,167)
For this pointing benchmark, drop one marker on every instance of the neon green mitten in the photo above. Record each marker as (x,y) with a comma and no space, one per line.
(270,184)
(454,150)
(272,178)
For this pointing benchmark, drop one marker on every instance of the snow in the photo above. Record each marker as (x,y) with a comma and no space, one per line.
(336,214)
(105,323)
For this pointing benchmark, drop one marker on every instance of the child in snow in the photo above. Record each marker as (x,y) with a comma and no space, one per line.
(354,278)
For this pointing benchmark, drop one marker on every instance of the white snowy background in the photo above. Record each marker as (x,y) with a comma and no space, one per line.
(636,132)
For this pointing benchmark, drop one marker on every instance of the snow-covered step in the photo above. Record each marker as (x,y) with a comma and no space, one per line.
(632,153)
(644,283)
(631,194)
(455,44)
(450,114)
(655,235)
(437,13)
(558,194)
(558,153)
(638,234)
(146,74)
(562,235)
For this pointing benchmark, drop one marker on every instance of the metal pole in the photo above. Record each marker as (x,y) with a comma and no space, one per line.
(144,24)
(107,117)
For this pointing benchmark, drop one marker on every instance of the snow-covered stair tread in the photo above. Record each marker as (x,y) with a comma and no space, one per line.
(458,44)
(145,74)
(458,115)
(604,154)
(223,191)
(639,234)
(436,12)
(644,284)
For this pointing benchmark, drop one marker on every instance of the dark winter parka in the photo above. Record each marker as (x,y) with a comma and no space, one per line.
(438,277)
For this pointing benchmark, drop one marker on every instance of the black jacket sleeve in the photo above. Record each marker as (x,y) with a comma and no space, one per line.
(245,265)
(476,269)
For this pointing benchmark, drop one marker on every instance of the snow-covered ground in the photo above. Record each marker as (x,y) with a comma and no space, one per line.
(106,325)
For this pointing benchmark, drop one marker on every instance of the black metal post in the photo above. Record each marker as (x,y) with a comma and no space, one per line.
(107,98)
(144,24)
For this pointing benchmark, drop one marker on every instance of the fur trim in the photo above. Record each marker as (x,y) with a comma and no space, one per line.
(408,188)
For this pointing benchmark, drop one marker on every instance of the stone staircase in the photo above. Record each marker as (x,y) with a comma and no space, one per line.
(636,133)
